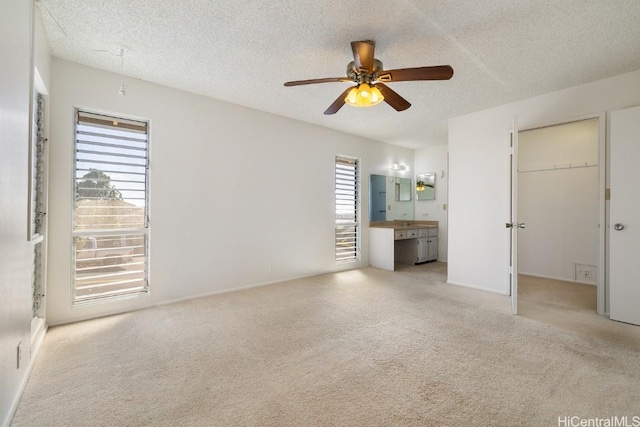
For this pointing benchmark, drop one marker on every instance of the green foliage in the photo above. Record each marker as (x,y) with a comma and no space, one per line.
(97,185)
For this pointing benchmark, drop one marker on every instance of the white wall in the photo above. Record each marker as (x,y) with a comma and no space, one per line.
(16,252)
(238,197)
(559,206)
(479,176)
(434,159)
(41,51)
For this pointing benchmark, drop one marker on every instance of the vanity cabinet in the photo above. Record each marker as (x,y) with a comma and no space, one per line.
(416,246)
(427,245)
(404,245)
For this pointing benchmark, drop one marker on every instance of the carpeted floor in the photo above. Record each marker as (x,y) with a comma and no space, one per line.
(357,348)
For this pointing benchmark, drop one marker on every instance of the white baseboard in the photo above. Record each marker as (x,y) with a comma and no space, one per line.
(562,279)
(465,285)
(36,344)
(201,295)
(239,288)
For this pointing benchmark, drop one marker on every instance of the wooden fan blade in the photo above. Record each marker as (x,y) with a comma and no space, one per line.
(392,98)
(314,81)
(438,72)
(363,54)
(338,103)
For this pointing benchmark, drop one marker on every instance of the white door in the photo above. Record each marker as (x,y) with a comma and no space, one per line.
(513,224)
(624,218)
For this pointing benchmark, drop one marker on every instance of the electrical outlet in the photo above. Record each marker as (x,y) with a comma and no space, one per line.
(585,273)
(19,355)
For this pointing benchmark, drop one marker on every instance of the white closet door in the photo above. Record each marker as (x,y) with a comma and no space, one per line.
(513,225)
(624,218)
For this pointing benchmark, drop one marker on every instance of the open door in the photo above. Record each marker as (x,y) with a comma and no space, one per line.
(513,225)
(624,233)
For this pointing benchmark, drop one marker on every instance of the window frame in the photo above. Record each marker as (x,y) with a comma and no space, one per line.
(357,247)
(145,231)
(35,223)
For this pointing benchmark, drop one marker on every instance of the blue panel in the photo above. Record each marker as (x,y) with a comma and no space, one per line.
(378,198)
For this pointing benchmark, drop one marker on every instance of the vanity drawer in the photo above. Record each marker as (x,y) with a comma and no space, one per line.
(411,234)
(433,232)
(423,232)
(400,234)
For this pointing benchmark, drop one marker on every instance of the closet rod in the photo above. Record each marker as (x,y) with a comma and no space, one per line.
(557,168)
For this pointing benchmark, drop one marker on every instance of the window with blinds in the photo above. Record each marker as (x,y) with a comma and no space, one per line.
(347,235)
(110,221)
(37,164)
(37,202)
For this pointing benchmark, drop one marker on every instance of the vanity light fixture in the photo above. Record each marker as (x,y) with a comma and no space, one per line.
(398,167)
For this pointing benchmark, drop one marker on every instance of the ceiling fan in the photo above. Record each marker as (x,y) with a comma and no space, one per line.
(370,78)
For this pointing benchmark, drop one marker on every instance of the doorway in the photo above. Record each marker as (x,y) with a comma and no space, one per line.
(559,196)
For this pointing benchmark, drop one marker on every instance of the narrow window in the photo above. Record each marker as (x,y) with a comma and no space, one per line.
(347,210)
(110,221)
(37,204)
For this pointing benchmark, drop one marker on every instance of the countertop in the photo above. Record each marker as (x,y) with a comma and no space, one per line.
(404,225)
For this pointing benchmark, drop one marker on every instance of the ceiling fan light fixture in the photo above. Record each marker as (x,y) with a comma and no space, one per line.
(364,95)
(376,96)
(351,98)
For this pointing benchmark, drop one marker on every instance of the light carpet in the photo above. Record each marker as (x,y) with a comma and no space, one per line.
(363,347)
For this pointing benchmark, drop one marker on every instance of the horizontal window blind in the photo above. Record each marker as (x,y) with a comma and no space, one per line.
(110,216)
(347,203)
(37,179)
(38,198)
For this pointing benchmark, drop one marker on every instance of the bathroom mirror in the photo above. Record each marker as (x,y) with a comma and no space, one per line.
(403,189)
(385,193)
(426,186)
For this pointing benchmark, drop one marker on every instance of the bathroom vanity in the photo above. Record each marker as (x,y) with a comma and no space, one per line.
(414,242)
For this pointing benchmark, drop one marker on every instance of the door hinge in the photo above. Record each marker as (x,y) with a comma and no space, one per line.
(515,225)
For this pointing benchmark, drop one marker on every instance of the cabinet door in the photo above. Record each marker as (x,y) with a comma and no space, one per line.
(422,254)
(433,248)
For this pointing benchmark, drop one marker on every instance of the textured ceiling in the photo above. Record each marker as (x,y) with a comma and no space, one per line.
(243,51)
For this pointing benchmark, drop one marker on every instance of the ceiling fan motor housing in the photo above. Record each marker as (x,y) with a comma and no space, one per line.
(363,76)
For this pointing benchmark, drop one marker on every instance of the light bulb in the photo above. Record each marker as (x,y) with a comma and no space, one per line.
(351,97)
(376,96)
(364,95)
